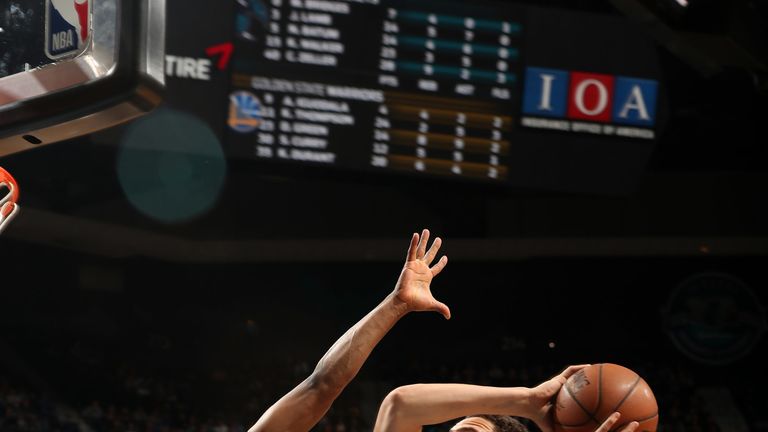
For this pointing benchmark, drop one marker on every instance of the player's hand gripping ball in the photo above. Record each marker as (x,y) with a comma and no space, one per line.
(592,394)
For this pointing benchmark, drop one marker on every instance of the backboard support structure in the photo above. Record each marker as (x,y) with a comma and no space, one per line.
(73,67)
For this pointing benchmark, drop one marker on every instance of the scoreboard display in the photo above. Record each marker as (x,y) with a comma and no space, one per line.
(483,90)
(387,85)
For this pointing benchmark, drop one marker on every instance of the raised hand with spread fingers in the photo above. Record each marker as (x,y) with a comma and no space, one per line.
(413,286)
(305,405)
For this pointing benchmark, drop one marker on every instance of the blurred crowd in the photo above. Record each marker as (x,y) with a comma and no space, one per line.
(80,361)
(155,404)
(24,410)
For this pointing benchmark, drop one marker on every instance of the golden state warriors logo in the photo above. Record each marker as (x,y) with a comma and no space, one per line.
(67,27)
(244,112)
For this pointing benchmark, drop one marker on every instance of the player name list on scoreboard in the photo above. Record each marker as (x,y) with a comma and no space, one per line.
(406,85)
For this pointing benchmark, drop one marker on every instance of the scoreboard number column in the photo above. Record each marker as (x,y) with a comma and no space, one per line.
(460,134)
(388,55)
(380,150)
(274,39)
(422,140)
(495,150)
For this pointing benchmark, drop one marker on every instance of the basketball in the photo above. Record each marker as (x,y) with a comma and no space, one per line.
(592,394)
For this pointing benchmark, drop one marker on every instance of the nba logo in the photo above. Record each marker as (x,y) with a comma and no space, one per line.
(67,27)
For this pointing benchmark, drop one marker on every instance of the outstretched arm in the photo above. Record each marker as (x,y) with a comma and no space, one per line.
(408,408)
(305,405)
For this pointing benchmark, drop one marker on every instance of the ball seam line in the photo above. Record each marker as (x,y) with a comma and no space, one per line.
(632,389)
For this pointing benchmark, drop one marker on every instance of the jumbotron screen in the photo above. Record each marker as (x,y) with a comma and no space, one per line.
(487,90)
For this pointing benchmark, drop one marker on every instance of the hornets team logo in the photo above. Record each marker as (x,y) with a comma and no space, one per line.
(67,27)
(715,318)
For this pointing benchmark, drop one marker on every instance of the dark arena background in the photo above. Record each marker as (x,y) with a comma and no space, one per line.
(597,171)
